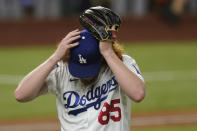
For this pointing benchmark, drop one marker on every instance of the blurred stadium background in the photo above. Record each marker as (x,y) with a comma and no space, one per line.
(160,34)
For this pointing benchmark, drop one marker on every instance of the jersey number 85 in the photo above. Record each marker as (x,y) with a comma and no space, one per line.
(105,115)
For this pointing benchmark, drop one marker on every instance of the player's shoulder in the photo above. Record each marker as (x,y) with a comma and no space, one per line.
(59,67)
(127,58)
(60,64)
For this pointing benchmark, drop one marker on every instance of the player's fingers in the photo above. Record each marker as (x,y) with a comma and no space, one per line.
(73,45)
(73,39)
(73,33)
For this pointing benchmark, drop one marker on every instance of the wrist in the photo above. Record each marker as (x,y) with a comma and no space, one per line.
(54,58)
(108,53)
(106,47)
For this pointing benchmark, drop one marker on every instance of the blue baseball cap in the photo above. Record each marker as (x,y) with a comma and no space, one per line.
(85,59)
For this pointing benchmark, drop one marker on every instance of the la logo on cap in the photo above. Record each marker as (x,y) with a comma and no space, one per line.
(81,59)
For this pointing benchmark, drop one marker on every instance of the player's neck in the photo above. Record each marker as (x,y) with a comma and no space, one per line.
(88,81)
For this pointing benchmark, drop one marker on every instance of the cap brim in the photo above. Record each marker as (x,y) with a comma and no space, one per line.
(84,71)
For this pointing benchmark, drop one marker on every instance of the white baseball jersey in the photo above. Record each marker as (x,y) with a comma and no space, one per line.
(100,106)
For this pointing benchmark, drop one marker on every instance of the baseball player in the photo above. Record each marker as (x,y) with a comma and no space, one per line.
(94,82)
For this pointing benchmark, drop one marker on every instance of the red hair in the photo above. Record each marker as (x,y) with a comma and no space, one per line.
(116,47)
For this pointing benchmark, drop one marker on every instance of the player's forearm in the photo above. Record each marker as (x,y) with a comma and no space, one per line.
(32,84)
(128,81)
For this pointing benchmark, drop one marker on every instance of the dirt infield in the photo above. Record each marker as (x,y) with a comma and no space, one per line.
(138,120)
(186,117)
(133,29)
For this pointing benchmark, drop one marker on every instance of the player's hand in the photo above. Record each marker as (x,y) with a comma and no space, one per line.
(66,44)
(105,47)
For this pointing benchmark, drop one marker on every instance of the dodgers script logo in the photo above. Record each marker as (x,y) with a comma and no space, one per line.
(93,96)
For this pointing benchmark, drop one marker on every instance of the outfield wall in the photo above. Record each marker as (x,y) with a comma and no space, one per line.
(150,28)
